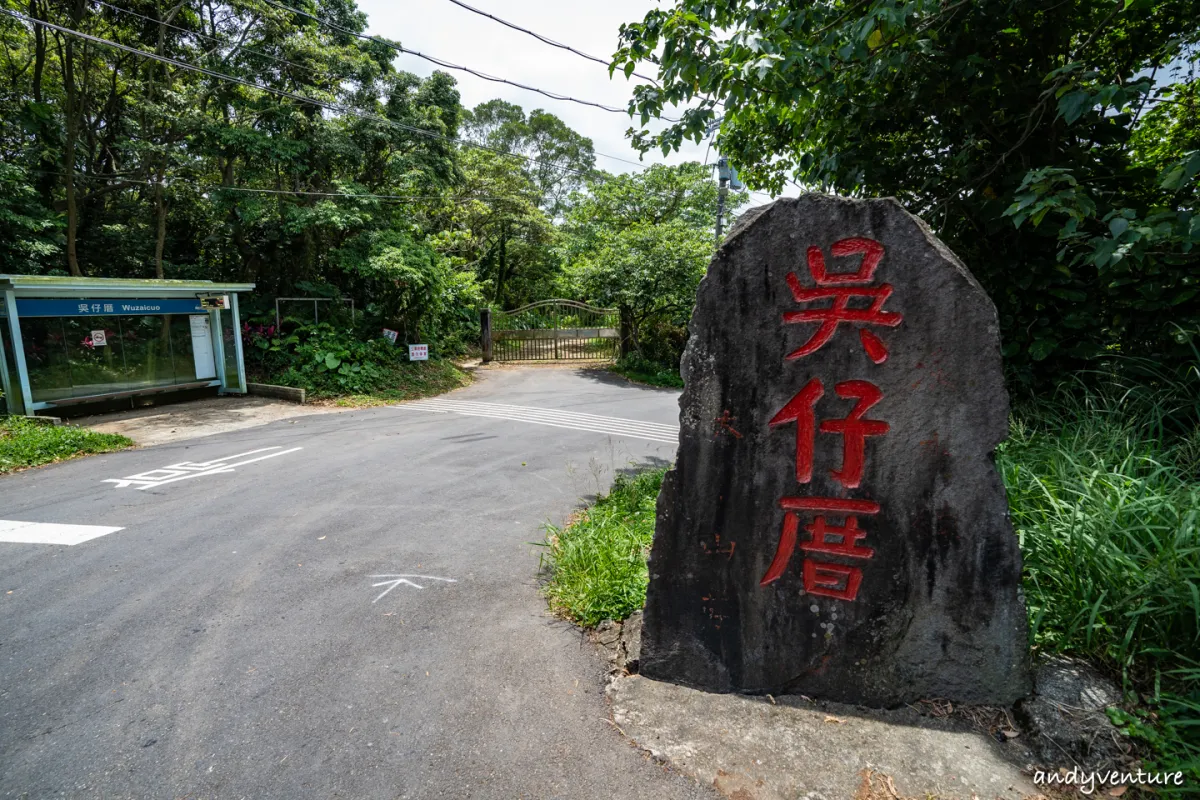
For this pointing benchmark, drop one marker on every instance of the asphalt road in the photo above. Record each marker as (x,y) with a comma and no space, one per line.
(230,641)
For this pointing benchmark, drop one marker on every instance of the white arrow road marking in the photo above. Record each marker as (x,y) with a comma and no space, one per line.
(395,580)
(616,426)
(193,469)
(12,530)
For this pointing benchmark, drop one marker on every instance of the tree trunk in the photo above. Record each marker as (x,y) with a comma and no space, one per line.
(160,208)
(502,271)
(160,202)
(72,134)
(44,180)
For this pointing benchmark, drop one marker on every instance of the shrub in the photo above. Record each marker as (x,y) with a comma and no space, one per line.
(643,370)
(332,362)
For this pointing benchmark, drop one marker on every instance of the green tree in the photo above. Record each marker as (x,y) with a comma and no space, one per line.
(1020,131)
(497,227)
(641,243)
(561,159)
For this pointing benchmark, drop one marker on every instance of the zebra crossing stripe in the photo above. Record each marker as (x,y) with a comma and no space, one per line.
(587,419)
(570,420)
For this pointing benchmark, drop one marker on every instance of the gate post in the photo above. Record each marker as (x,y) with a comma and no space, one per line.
(485,334)
(554,314)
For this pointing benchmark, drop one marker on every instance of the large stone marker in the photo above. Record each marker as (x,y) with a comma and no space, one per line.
(835,525)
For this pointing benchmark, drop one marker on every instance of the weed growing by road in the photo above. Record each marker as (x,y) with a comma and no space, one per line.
(1104,491)
(599,558)
(335,364)
(29,444)
(641,370)
(397,382)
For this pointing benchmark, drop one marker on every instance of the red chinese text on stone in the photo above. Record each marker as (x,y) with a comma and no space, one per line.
(822,578)
(831,286)
(854,429)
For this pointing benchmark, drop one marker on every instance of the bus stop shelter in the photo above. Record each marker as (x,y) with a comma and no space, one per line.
(68,341)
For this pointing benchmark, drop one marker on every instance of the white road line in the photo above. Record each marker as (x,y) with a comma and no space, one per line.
(609,423)
(193,469)
(447,403)
(12,530)
(573,426)
(614,426)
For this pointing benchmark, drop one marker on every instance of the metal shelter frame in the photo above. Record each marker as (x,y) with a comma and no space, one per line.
(15,290)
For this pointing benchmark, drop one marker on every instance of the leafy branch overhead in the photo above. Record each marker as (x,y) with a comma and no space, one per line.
(1053,145)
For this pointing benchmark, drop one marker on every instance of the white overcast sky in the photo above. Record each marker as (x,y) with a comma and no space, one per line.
(443,30)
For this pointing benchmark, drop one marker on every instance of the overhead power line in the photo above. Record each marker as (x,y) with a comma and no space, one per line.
(171,180)
(277,59)
(450,65)
(546,39)
(328,106)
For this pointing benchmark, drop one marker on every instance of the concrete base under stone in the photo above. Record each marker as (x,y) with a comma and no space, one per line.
(751,749)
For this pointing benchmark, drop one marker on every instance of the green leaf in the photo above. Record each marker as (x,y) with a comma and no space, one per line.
(1041,348)
(1072,105)
(1118,226)
(331,361)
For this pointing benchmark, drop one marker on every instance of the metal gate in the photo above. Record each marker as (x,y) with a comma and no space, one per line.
(552,330)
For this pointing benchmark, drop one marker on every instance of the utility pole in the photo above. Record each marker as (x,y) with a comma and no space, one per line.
(723,189)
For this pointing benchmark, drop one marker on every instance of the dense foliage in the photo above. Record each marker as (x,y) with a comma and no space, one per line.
(305,162)
(340,360)
(1054,146)
(641,243)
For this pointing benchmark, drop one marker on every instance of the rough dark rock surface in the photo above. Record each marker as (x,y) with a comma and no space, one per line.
(621,643)
(938,612)
(1066,718)
(631,641)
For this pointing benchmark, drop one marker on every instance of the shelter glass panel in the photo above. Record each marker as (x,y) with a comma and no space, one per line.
(46,358)
(228,332)
(96,355)
(147,345)
(191,344)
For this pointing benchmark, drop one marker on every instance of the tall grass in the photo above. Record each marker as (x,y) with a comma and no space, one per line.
(1104,490)
(1109,525)
(599,559)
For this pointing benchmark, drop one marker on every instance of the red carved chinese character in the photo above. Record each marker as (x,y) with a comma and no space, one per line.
(854,429)
(816,577)
(840,311)
(826,579)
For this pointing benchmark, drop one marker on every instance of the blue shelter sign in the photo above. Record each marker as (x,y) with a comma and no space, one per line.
(83,307)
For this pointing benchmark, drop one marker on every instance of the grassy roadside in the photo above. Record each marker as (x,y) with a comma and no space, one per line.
(30,444)
(640,370)
(396,383)
(599,558)
(1105,500)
